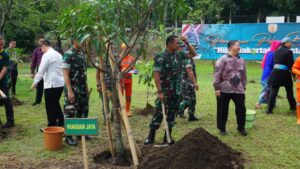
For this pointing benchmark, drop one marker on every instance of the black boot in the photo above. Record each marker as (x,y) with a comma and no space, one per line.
(243,132)
(70,141)
(192,118)
(8,124)
(151,137)
(181,114)
(165,137)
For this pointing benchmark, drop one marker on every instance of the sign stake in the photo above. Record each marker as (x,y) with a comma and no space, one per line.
(84,153)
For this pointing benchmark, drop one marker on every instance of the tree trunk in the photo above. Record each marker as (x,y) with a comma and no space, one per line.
(258,17)
(2,22)
(59,44)
(166,15)
(202,19)
(118,104)
(176,27)
(105,105)
(120,152)
(4,11)
(147,94)
(230,21)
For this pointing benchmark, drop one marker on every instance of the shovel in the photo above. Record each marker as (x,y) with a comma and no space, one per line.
(166,123)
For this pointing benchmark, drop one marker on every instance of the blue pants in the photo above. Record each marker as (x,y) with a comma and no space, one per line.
(264,94)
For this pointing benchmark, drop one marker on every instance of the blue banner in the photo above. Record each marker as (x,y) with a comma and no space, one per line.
(211,39)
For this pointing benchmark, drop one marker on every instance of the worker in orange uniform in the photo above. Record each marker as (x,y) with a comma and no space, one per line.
(296,71)
(126,81)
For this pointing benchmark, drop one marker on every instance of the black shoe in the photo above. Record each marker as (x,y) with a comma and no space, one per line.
(292,110)
(192,118)
(8,125)
(166,140)
(151,137)
(223,133)
(35,103)
(88,137)
(243,132)
(181,115)
(70,141)
(269,112)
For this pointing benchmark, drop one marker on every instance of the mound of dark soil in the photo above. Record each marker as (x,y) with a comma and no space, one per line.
(197,150)
(149,109)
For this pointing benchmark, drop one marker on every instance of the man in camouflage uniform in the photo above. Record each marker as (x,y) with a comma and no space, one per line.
(76,89)
(4,86)
(189,85)
(13,65)
(167,77)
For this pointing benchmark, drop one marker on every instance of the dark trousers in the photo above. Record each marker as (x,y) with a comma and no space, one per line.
(39,92)
(171,109)
(9,111)
(54,113)
(289,95)
(14,77)
(222,110)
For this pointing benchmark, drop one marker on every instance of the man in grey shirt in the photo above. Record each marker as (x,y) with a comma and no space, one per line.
(230,83)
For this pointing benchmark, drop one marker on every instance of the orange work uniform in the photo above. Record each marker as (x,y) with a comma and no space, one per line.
(296,70)
(126,81)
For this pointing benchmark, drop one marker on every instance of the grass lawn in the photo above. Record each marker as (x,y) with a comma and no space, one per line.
(274,142)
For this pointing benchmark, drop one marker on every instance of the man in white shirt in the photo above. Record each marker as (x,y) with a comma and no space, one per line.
(50,70)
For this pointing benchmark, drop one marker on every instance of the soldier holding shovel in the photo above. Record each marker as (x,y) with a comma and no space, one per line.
(167,76)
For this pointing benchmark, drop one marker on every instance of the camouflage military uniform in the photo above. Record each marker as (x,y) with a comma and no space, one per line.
(170,67)
(4,61)
(76,63)
(4,87)
(188,88)
(13,68)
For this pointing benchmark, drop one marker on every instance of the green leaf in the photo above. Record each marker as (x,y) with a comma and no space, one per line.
(84,37)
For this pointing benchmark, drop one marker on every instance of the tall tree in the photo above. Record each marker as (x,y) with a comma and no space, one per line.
(200,10)
(102,23)
(31,18)
(5,6)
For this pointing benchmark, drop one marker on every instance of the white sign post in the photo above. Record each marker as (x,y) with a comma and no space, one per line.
(275,19)
(298,19)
